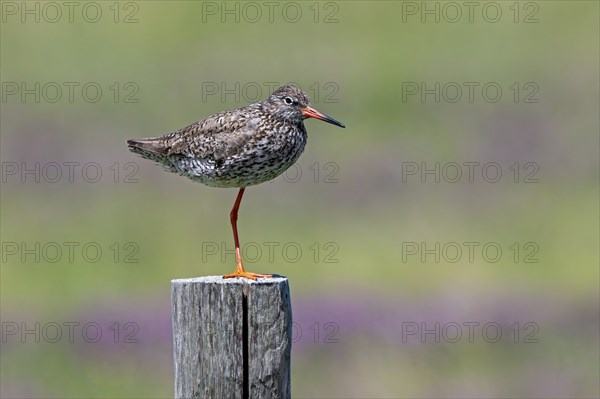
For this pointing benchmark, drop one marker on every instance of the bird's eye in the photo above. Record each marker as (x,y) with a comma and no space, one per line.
(288,100)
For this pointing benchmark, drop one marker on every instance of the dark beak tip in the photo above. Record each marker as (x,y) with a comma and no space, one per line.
(337,123)
(313,113)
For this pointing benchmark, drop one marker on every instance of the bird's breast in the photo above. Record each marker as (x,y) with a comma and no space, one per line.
(264,155)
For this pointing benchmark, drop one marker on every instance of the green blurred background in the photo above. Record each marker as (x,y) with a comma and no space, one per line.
(364,280)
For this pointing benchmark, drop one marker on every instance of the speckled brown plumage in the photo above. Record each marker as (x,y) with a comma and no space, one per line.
(238,148)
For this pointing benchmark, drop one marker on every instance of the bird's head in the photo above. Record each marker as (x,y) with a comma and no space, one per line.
(292,104)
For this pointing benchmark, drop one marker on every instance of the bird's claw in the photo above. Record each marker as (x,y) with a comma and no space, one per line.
(248,275)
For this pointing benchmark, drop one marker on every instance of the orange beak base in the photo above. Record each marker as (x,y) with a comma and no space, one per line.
(310,112)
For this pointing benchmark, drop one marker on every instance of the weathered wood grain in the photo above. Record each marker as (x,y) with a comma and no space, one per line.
(232,338)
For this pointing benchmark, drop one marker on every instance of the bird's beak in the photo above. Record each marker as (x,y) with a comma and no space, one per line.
(310,112)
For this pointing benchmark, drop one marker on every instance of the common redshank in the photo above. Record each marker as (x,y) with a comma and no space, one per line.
(238,148)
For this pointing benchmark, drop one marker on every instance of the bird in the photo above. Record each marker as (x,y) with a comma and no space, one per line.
(238,148)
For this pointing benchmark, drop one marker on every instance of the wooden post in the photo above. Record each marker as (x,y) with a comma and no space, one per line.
(232,337)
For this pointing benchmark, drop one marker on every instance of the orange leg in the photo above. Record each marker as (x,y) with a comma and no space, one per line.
(239,270)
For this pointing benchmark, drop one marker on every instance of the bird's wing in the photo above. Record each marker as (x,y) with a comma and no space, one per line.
(218,136)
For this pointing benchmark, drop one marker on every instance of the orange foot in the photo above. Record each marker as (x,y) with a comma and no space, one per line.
(249,275)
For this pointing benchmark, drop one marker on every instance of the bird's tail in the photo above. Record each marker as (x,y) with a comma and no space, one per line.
(154,145)
(152,148)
